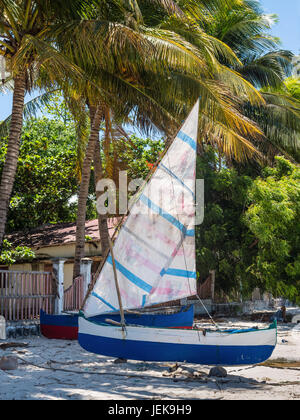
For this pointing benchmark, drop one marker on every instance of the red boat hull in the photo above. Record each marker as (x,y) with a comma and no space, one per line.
(65,327)
(59,332)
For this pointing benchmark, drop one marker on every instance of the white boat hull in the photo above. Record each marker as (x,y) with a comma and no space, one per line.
(226,348)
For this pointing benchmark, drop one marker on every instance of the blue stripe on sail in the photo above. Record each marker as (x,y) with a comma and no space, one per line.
(104,301)
(167,216)
(176,177)
(144,301)
(179,273)
(130,276)
(187,139)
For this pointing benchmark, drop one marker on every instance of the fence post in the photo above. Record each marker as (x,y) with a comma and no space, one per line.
(2,328)
(58,269)
(213,282)
(86,272)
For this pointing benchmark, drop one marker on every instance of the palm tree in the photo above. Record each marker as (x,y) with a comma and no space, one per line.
(141,67)
(244,27)
(28,32)
(280,119)
(156,75)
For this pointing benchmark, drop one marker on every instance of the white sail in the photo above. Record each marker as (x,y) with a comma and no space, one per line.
(155,249)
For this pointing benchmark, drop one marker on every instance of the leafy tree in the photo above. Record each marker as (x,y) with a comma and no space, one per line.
(45,189)
(223,242)
(9,255)
(251,229)
(133,154)
(274,219)
(46,177)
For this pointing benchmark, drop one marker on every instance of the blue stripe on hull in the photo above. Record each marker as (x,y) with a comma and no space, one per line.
(181,319)
(165,352)
(64,320)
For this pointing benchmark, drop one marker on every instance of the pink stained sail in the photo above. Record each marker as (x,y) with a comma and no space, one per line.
(155,249)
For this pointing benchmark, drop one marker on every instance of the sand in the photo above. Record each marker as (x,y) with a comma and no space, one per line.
(62,370)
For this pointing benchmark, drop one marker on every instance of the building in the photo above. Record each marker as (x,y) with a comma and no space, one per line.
(51,242)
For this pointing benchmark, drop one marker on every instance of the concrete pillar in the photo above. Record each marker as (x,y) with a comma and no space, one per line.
(86,272)
(58,269)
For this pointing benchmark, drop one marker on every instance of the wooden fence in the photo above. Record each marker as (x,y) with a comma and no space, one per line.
(74,295)
(204,290)
(23,294)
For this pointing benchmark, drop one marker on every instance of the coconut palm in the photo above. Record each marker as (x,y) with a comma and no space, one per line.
(156,75)
(280,119)
(244,27)
(153,73)
(28,33)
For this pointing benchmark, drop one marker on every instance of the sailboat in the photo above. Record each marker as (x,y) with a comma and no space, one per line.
(153,261)
(65,326)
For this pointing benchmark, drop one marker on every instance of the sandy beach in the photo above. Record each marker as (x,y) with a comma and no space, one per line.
(62,370)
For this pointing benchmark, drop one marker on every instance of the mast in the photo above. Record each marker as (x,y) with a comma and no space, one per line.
(117,284)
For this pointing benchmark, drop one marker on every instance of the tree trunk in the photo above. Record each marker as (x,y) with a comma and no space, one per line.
(96,116)
(13,150)
(102,219)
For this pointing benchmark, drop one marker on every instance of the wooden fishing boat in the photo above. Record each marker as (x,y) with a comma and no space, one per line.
(59,327)
(153,261)
(226,348)
(65,326)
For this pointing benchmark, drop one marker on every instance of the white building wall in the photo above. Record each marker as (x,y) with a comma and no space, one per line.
(54,252)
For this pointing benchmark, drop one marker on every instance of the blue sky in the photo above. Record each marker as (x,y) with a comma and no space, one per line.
(288,30)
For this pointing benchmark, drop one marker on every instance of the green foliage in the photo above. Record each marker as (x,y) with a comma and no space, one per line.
(138,155)
(251,229)
(274,219)
(250,234)
(293,86)
(9,255)
(245,28)
(290,87)
(46,185)
(46,177)
(223,242)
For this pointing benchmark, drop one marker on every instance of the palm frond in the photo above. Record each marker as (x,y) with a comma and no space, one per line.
(268,70)
(279,119)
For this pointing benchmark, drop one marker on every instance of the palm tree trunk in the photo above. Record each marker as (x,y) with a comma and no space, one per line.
(102,219)
(13,150)
(96,116)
